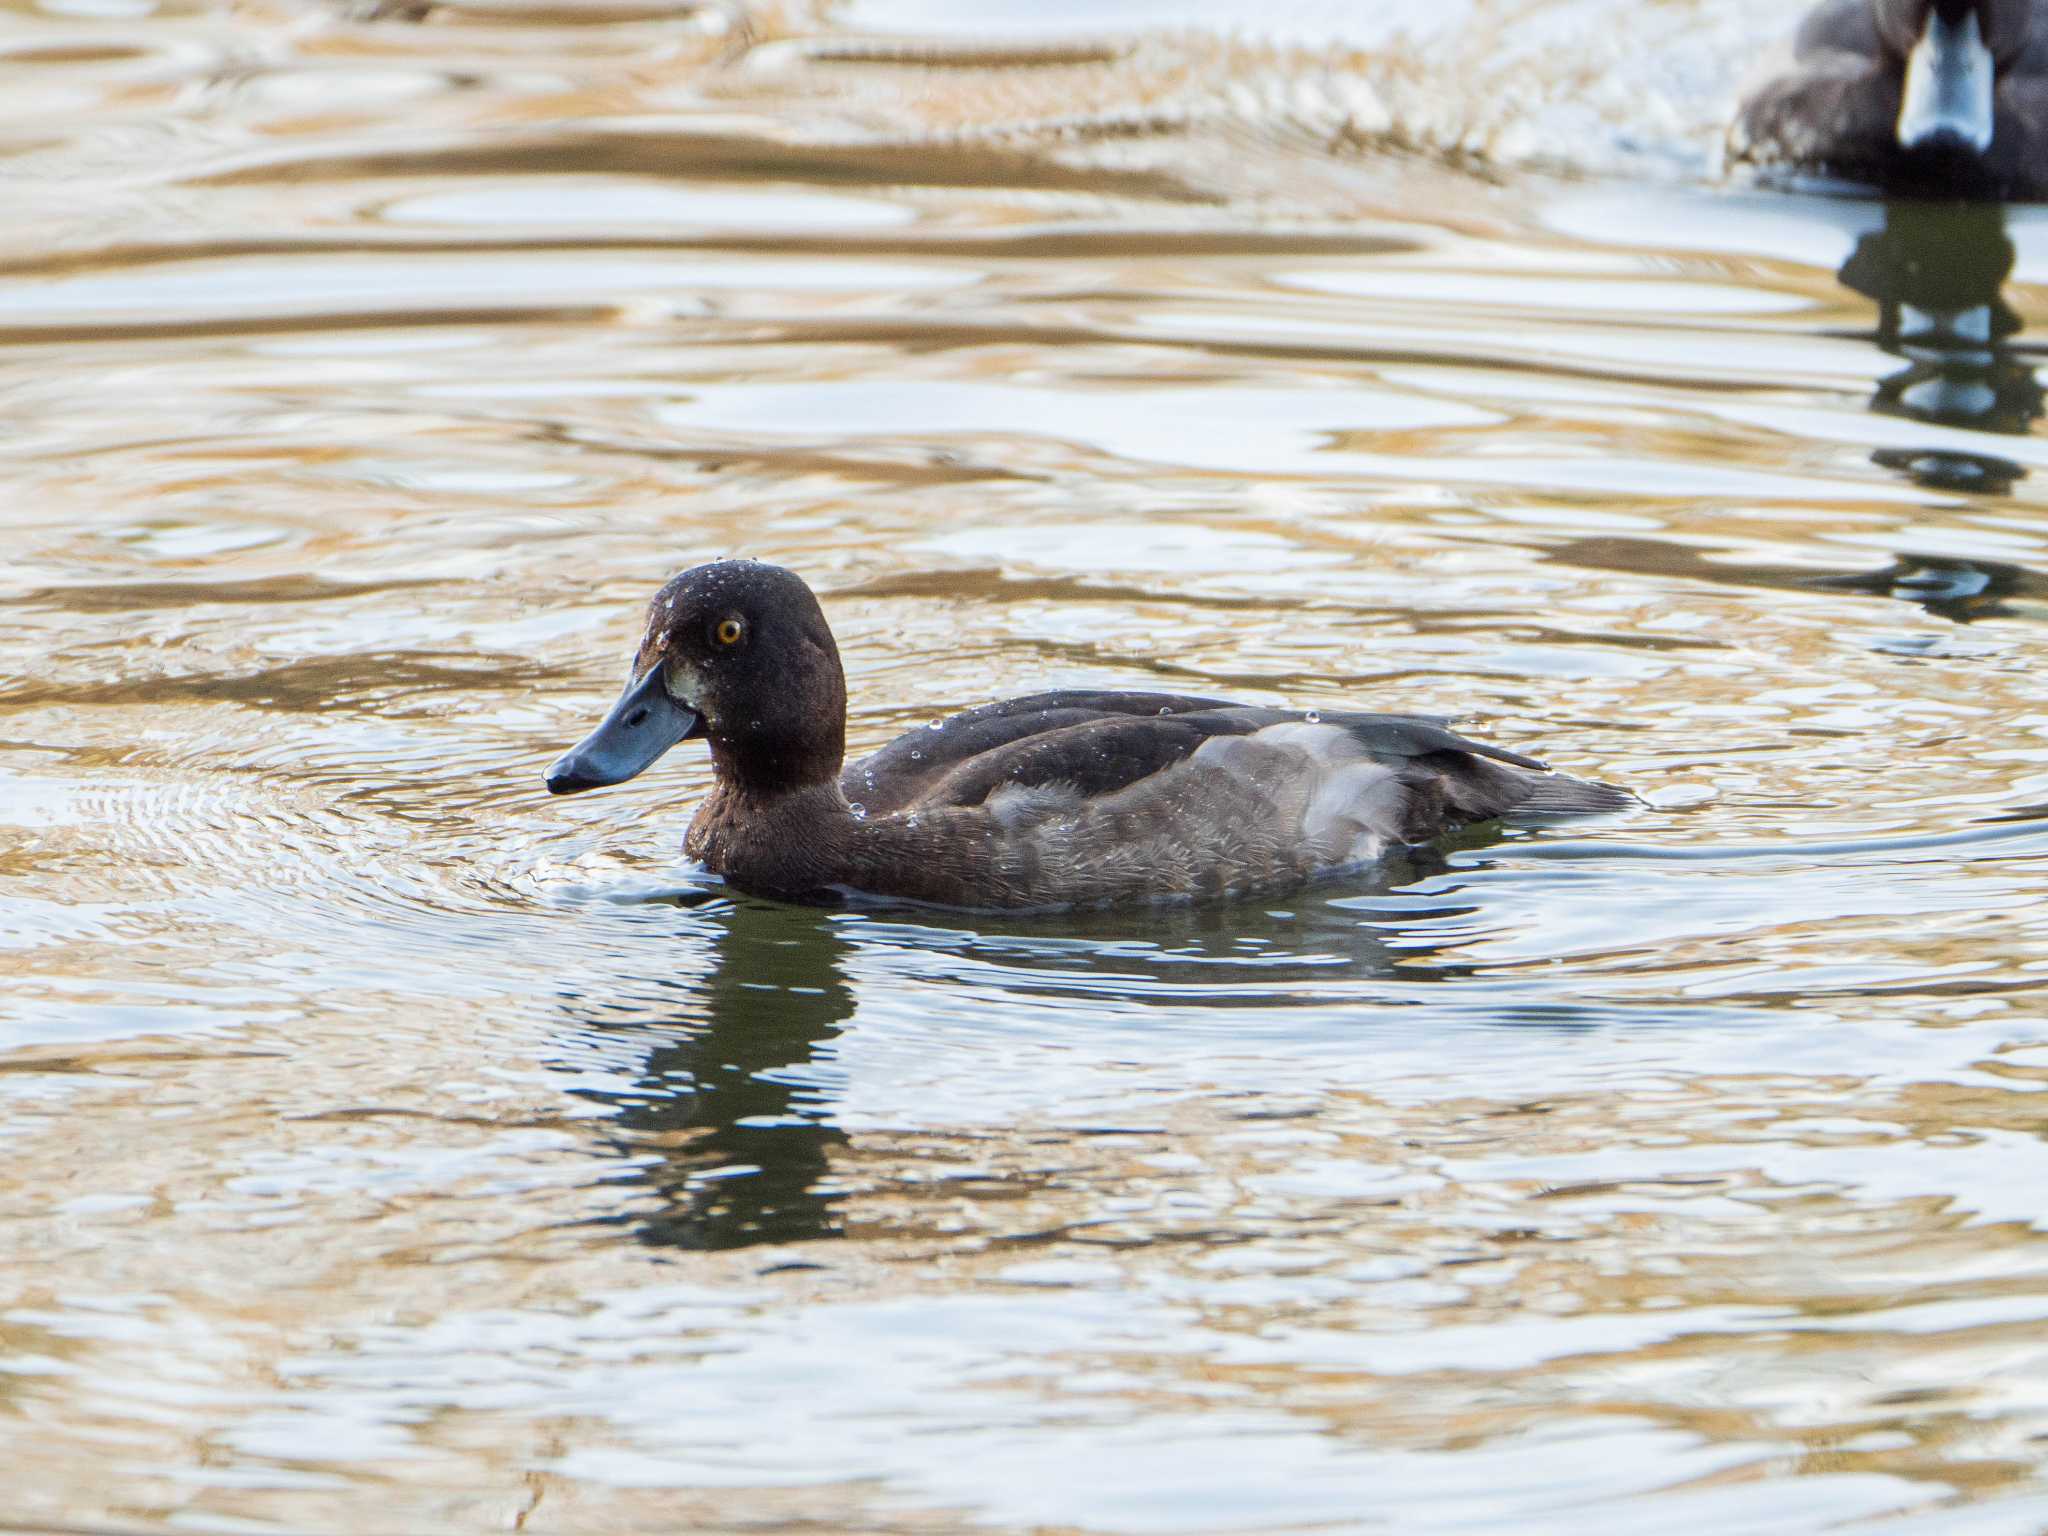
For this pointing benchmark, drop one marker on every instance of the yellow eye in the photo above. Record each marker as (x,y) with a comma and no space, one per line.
(728,632)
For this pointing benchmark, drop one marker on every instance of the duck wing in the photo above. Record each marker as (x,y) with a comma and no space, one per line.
(1840,27)
(1829,103)
(1092,745)
(904,773)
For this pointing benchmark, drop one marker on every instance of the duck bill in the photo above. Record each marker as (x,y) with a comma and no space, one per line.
(1950,86)
(645,723)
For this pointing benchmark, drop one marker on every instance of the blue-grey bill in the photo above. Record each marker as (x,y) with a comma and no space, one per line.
(645,723)
(1951,86)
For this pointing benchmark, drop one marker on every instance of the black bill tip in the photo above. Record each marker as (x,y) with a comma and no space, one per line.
(567,775)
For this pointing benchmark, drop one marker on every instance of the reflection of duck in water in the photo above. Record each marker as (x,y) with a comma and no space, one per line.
(1936,271)
(1943,98)
(1056,800)
(728,1121)
(740,1154)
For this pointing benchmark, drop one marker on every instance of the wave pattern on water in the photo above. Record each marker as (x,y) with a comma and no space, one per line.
(382,1136)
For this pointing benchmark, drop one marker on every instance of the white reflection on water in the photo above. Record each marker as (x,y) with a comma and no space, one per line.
(1275,431)
(645,205)
(395,285)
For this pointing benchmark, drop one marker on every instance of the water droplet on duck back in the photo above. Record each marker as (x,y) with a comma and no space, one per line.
(1313,716)
(1166,709)
(936,725)
(916,756)
(859,811)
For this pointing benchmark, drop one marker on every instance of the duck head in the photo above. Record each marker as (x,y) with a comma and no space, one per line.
(737,652)
(1954,51)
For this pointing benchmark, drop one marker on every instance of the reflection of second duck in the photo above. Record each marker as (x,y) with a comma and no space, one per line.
(1936,272)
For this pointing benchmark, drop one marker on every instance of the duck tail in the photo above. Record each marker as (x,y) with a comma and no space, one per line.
(1559,794)
(1461,788)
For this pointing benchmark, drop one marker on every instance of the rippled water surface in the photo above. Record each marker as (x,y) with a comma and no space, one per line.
(386,1147)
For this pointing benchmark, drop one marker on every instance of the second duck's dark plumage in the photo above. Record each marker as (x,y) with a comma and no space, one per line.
(1942,98)
(1076,798)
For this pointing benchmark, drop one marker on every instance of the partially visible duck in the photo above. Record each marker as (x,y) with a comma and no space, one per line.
(1076,798)
(1929,97)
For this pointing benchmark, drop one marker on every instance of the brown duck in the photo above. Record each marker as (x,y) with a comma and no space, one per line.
(1068,799)
(1944,98)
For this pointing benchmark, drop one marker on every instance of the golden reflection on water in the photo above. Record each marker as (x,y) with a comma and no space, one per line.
(388,1147)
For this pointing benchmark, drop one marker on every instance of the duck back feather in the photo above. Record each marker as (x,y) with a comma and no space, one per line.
(1084,799)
